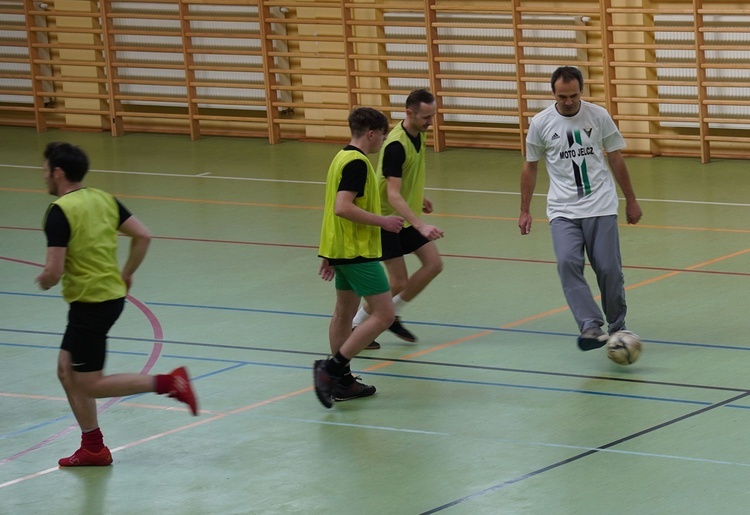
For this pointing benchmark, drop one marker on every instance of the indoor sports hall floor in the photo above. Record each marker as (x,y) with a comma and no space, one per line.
(494,411)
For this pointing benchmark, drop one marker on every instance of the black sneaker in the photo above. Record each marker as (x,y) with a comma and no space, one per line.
(592,338)
(373,345)
(324,383)
(353,391)
(400,331)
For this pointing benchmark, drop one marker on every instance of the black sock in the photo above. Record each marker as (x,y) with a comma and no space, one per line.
(337,365)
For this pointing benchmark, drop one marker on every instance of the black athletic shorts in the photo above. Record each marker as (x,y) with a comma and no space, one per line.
(86,335)
(402,243)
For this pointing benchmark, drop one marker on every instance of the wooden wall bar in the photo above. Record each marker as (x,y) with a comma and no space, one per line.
(675,74)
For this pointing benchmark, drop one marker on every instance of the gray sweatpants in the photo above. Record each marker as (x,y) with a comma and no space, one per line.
(599,237)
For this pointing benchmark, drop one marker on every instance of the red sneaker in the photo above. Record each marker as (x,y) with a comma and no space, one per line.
(181,389)
(84,458)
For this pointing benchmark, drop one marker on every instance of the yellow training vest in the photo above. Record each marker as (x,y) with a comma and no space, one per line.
(412,172)
(339,237)
(91,270)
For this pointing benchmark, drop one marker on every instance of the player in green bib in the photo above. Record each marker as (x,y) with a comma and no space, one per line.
(81,228)
(351,251)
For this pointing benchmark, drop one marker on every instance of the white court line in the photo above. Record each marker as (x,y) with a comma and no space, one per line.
(206,175)
(512,441)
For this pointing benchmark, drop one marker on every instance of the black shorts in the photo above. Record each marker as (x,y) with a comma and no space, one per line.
(402,243)
(86,335)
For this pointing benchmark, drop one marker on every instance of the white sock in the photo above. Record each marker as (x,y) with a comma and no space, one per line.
(360,317)
(398,303)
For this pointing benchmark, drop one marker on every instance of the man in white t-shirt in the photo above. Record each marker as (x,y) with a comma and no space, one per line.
(571,136)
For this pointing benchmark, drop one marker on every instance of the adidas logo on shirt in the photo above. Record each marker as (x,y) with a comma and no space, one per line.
(555,136)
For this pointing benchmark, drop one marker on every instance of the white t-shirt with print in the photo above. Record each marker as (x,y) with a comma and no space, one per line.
(581,183)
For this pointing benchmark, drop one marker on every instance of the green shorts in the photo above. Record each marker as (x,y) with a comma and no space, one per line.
(364,278)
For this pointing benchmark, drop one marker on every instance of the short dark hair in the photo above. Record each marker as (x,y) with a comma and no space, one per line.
(567,74)
(363,119)
(68,158)
(417,97)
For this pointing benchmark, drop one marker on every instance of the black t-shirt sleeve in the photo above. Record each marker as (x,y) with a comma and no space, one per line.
(394,157)
(354,177)
(56,227)
(124,213)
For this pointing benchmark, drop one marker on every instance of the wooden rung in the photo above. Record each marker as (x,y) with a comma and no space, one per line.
(556,61)
(475,60)
(66,30)
(229,85)
(149,81)
(660,64)
(307,55)
(317,4)
(239,18)
(641,28)
(727,102)
(279,37)
(64,14)
(472,25)
(226,68)
(147,49)
(393,74)
(304,21)
(661,46)
(153,65)
(228,101)
(61,94)
(137,114)
(60,62)
(77,80)
(24,76)
(643,135)
(401,7)
(231,118)
(479,111)
(391,57)
(15,60)
(144,32)
(224,35)
(732,121)
(152,98)
(556,10)
(731,29)
(646,118)
(332,123)
(16,108)
(20,92)
(552,44)
(139,15)
(728,139)
(14,44)
(641,10)
(475,42)
(388,91)
(64,110)
(476,94)
(481,129)
(314,89)
(462,7)
(724,84)
(725,66)
(724,12)
(331,73)
(223,51)
(306,105)
(665,82)
(660,100)
(476,76)
(394,23)
(67,46)
(557,27)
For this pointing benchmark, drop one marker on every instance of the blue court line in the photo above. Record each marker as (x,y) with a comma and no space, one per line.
(413,322)
(242,363)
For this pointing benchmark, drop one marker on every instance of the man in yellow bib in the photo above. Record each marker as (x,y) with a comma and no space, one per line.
(351,251)
(81,228)
(401,176)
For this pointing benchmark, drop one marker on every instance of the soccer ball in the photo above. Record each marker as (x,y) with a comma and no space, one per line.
(624,347)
